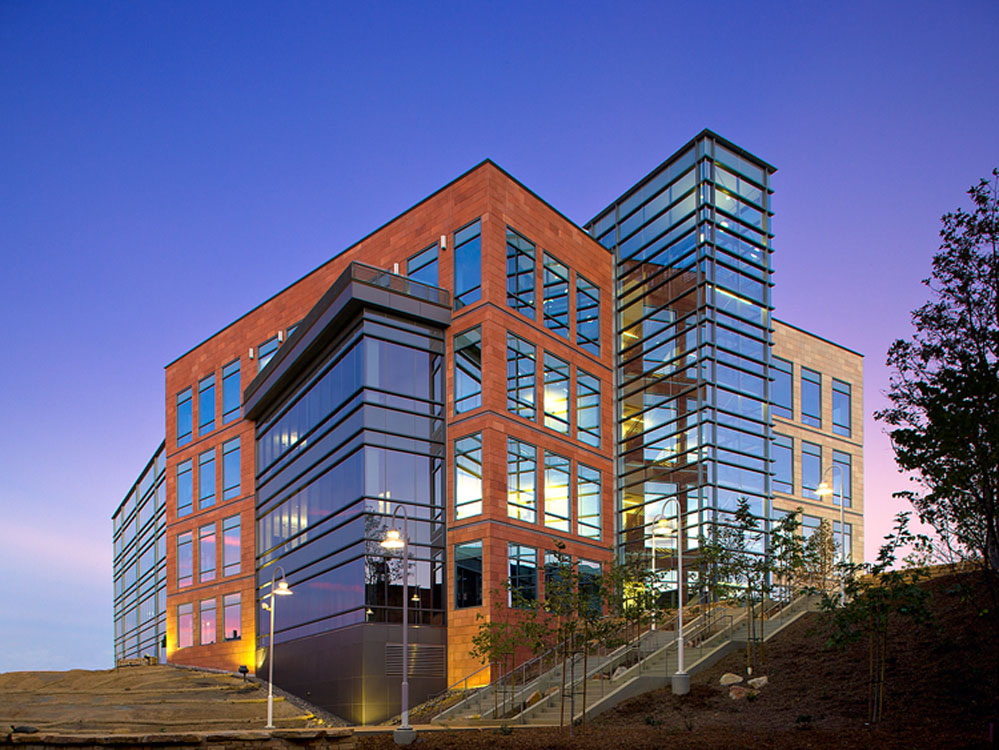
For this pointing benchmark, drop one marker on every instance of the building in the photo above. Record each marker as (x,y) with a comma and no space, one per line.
(512,379)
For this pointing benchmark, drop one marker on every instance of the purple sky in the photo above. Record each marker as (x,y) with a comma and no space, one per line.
(167,166)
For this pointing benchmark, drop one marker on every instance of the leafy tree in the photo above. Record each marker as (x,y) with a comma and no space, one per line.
(819,557)
(787,554)
(944,392)
(495,643)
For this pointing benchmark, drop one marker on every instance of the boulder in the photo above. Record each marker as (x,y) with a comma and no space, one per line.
(730,678)
(757,682)
(618,672)
(533,697)
(737,692)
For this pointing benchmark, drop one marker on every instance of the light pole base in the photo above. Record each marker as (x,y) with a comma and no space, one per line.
(681,683)
(404,735)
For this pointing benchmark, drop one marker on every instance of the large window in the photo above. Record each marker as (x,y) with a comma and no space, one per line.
(556,301)
(841,408)
(782,397)
(422,267)
(468,370)
(468,476)
(587,315)
(811,397)
(467,265)
(556,492)
(556,393)
(208,622)
(587,408)
(185,625)
(206,479)
(521,473)
(523,562)
(231,549)
(589,574)
(265,352)
(230,469)
(811,469)
(185,488)
(185,559)
(783,459)
(184,417)
(468,574)
(845,484)
(232,614)
(521,366)
(588,515)
(844,541)
(206,405)
(520,273)
(206,553)
(230,392)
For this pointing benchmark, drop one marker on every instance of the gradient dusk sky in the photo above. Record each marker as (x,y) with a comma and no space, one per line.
(166,166)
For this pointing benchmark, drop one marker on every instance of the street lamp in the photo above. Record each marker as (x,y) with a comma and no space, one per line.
(404,734)
(681,680)
(660,527)
(281,589)
(825,489)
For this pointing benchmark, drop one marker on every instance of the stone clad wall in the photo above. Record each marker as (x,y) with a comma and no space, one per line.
(279,739)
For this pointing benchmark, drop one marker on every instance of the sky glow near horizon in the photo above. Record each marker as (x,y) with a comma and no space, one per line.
(167,166)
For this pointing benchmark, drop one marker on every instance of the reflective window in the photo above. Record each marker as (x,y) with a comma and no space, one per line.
(783,460)
(468,370)
(588,506)
(467,265)
(521,366)
(468,574)
(422,267)
(556,296)
(184,417)
(521,474)
(845,485)
(589,573)
(587,315)
(230,392)
(811,397)
(468,476)
(811,469)
(185,488)
(206,553)
(231,550)
(841,408)
(232,613)
(782,393)
(206,405)
(523,563)
(206,479)
(844,541)
(520,273)
(265,352)
(185,559)
(185,625)
(587,408)
(556,393)
(230,469)
(556,492)
(208,625)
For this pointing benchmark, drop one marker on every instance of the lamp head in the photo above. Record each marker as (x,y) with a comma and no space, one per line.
(662,526)
(282,588)
(823,489)
(393,540)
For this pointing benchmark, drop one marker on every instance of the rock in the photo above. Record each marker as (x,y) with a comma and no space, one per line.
(737,692)
(730,678)
(757,682)
(618,672)
(533,697)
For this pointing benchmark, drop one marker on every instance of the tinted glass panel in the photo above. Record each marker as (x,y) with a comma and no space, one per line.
(556,492)
(468,574)
(185,488)
(230,392)
(811,397)
(587,408)
(556,393)
(520,254)
(206,405)
(782,398)
(783,460)
(468,370)
(206,479)
(230,469)
(265,352)
(206,554)
(588,505)
(521,367)
(811,469)
(231,546)
(423,266)
(521,476)
(841,408)
(843,479)
(467,265)
(556,300)
(208,623)
(184,417)
(468,476)
(587,315)
(185,559)
(523,562)
(233,616)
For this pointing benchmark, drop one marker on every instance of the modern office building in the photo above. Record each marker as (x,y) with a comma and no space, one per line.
(525,387)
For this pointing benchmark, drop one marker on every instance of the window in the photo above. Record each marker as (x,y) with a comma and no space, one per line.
(556,289)
(587,315)
(557,565)
(185,625)
(206,553)
(845,462)
(206,405)
(231,551)
(783,460)
(468,370)
(185,488)
(589,590)
(232,613)
(468,476)
(230,392)
(844,541)
(809,525)
(811,397)
(468,574)
(588,514)
(206,479)
(521,365)
(521,473)
(556,492)
(782,398)
(811,469)
(523,562)
(556,394)
(467,265)
(841,411)
(520,273)
(184,417)
(265,352)
(230,469)
(185,559)
(208,625)
(587,409)
(422,267)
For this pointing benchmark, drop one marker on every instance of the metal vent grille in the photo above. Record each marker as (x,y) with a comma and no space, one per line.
(424,660)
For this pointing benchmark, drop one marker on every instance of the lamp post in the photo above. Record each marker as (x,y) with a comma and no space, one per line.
(281,589)
(822,490)
(681,680)
(404,734)
(660,526)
